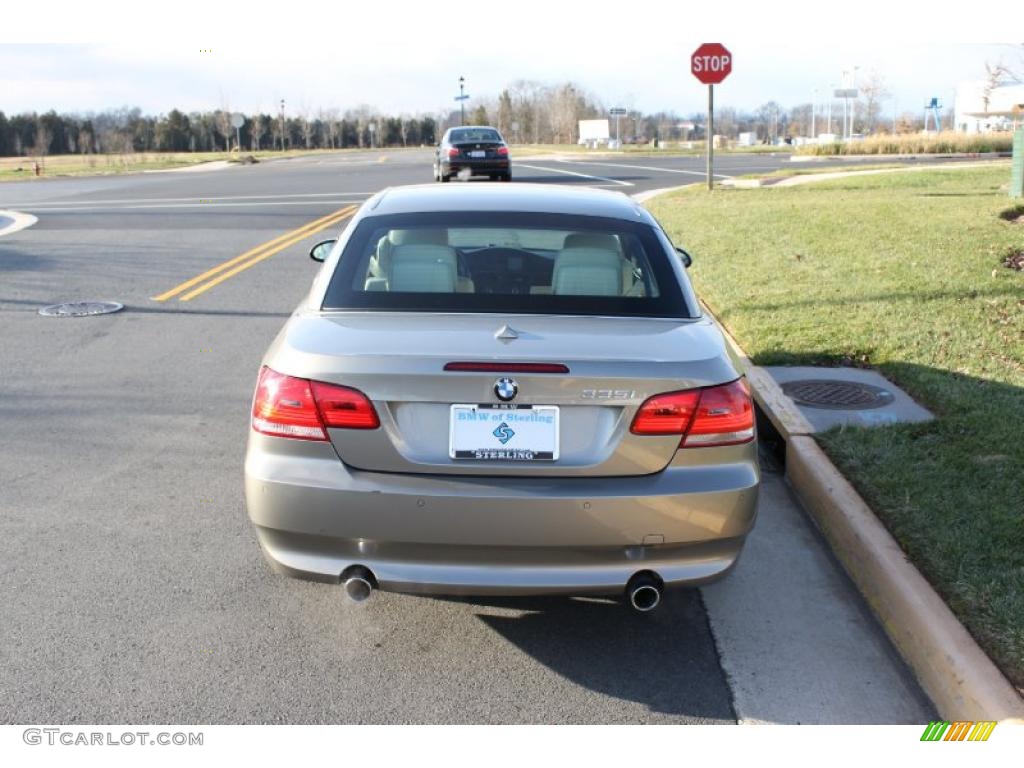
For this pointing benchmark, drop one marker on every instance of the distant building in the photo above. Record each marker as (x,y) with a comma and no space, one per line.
(1002,110)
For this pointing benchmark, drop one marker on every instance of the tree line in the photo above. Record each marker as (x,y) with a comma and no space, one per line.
(526,112)
(128,130)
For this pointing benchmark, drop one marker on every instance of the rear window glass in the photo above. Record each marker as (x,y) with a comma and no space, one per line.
(459,135)
(506,262)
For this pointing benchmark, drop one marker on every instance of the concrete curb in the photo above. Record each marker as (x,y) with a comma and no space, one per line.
(19,221)
(212,165)
(822,158)
(961,680)
(957,675)
(792,181)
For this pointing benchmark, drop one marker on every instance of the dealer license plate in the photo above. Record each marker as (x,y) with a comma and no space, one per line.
(504,432)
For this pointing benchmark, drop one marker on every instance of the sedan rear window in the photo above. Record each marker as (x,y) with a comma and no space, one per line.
(506,262)
(462,135)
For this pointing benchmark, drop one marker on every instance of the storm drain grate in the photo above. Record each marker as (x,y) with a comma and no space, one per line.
(81,309)
(837,395)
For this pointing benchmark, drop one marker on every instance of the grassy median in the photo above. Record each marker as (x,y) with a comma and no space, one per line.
(903,272)
(23,168)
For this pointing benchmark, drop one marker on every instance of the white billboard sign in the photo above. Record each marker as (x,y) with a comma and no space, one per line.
(594,130)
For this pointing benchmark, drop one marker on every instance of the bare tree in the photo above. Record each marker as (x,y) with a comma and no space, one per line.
(256,131)
(874,93)
(222,122)
(995,75)
(42,146)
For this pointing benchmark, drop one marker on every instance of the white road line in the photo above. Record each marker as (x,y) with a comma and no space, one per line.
(18,222)
(644,168)
(197,204)
(140,200)
(574,173)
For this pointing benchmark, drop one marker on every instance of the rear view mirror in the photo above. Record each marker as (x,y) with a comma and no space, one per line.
(321,250)
(686,258)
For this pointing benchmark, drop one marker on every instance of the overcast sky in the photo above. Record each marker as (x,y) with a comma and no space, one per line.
(400,63)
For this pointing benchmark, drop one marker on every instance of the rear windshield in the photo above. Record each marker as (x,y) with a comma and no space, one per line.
(506,262)
(460,135)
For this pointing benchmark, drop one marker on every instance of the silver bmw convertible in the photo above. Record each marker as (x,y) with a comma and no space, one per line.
(502,390)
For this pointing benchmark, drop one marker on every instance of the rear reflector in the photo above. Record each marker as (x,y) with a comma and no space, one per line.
(285,406)
(508,367)
(722,415)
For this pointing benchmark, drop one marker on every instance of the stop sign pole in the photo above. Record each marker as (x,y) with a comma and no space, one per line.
(711,63)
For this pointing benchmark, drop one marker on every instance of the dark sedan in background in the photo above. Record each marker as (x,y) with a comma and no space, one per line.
(472,150)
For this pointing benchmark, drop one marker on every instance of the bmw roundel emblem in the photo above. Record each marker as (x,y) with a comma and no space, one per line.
(506,389)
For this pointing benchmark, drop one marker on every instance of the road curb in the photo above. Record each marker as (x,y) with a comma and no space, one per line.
(19,221)
(908,156)
(959,677)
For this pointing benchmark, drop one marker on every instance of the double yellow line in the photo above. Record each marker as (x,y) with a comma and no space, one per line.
(232,267)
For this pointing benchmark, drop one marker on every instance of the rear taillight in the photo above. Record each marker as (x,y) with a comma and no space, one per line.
(722,415)
(453,152)
(285,406)
(725,416)
(668,414)
(344,407)
(503,151)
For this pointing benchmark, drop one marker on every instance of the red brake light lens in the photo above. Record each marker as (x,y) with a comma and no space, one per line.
(725,416)
(507,367)
(286,406)
(722,415)
(344,407)
(453,152)
(667,414)
(503,151)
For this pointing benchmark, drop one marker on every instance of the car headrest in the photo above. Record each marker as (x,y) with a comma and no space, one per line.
(423,268)
(592,240)
(587,271)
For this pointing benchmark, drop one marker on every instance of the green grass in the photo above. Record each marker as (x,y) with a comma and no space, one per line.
(900,272)
(21,168)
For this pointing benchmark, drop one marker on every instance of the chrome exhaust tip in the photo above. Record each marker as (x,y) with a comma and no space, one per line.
(358,582)
(644,592)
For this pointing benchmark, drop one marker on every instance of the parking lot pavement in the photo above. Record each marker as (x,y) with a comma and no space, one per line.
(134,590)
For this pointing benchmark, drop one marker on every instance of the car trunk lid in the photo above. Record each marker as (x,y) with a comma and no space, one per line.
(398,360)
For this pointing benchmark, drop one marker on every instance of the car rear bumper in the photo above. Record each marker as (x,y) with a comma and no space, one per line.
(475,167)
(315,517)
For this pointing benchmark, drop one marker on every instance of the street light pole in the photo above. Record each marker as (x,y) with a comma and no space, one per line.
(282,125)
(813,106)
(831,94)
(462,100)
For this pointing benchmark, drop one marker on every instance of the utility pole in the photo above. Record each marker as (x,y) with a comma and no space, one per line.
(282,125)
(831,91)
(813,105)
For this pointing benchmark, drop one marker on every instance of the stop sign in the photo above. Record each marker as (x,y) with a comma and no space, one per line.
(711,63)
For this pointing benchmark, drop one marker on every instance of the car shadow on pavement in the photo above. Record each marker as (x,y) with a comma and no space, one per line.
(15,260)
(665,659)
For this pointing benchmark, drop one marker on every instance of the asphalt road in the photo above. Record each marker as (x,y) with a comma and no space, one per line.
(133,587)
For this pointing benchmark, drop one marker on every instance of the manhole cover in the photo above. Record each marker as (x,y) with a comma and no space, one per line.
(838,395)
(81,309)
